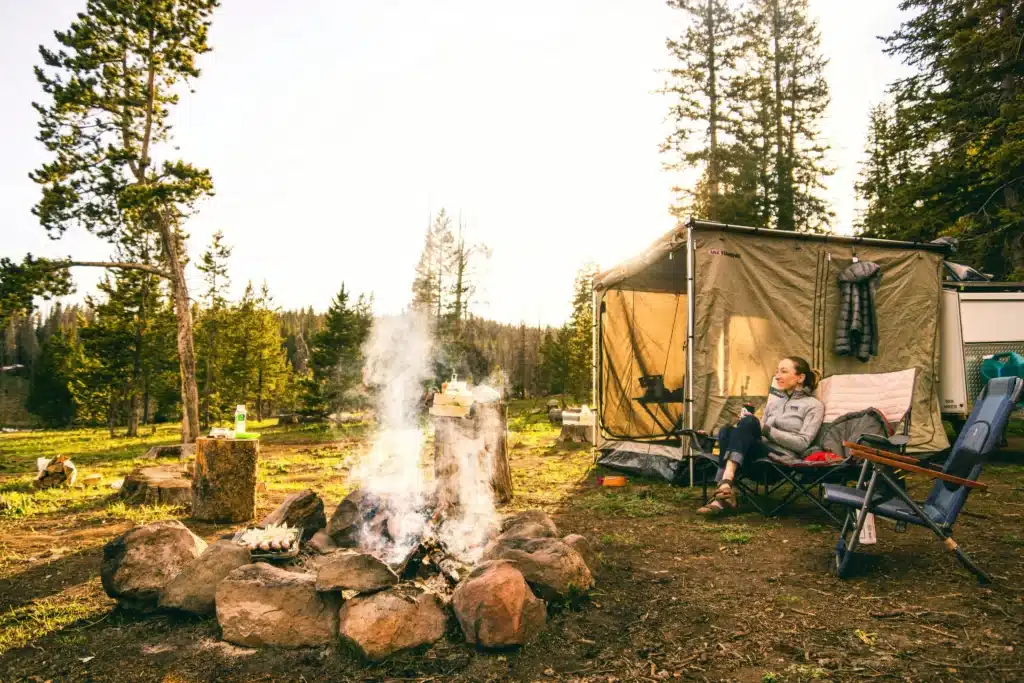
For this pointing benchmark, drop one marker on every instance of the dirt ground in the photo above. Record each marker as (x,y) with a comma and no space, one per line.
(740,598)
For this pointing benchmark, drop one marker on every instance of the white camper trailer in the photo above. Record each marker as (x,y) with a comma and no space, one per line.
(979,319)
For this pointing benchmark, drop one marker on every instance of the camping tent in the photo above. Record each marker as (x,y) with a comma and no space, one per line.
(692,329)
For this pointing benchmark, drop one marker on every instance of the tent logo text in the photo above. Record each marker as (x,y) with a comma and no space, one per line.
(723,252)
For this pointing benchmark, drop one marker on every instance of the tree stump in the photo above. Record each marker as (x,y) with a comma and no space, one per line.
(224,480)
(480,438)
(492,426)
(166,485)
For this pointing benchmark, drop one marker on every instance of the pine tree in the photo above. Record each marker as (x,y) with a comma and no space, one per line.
(433,271)
(212,320)
(705,59)
(464,259)
(580,352)
(50,396)
(336,357)
(779,103)
(111,87)
(958,128)
(256,371)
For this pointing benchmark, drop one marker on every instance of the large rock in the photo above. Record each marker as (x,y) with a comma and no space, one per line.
(344,524)
(553,569)
(195,587)
(529,524)
(384,623)
(355,571)
(139,563)
(496,608)
(581,545)
(322,543)
(303,509)
(258,605)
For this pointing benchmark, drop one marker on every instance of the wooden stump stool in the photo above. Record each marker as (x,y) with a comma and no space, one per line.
(486,429)
(224,480)
(166,485)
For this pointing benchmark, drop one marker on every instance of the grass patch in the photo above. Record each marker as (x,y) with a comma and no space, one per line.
(731,533)
(20,626)
(618,539)
(624,505)
(817,528)
(736,536)
(1013,539)
(19,500)
(143,514)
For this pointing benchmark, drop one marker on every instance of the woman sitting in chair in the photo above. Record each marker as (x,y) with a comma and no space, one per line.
(792,418)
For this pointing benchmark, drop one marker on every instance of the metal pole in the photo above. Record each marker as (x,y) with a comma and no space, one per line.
(690,310)
(595,360)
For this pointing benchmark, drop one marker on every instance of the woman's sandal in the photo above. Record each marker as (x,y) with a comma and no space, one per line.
(725,499)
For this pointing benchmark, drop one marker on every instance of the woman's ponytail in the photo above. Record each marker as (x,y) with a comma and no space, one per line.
(802,367)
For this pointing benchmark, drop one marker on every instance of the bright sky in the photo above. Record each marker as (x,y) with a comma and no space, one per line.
(334,129)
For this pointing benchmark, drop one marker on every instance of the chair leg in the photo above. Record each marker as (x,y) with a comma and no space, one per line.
(846,547)
(947,541)
(966,560)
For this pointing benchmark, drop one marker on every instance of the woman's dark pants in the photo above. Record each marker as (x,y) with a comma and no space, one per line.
(740,443)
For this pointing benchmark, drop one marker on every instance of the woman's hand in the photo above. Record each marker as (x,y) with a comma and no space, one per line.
(766,431)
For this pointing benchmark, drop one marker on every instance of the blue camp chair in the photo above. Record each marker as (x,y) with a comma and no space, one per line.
(884,496)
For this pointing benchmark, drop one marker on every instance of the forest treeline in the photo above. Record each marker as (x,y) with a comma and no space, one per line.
(112,360)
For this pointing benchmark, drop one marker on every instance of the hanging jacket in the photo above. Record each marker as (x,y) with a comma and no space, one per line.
(857,327)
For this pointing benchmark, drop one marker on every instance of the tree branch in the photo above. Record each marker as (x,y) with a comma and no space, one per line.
(56,265)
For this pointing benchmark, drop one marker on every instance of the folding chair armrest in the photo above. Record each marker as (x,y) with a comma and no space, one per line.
(901,463)
(894,441)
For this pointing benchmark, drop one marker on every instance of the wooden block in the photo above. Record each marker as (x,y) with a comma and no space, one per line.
(224,480)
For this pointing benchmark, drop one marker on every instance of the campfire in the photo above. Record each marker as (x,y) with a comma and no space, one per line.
(396,556)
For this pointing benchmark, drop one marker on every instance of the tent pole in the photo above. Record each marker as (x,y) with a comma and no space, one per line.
(690,309)
(595,359)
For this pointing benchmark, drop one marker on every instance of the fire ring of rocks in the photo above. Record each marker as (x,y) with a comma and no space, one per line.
(360,578)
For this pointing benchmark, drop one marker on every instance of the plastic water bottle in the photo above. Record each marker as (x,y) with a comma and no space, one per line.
(239,419)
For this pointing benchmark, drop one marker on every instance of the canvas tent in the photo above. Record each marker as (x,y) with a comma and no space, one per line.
(690,330)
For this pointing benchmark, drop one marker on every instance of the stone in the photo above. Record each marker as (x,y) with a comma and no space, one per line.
(496,608)
(194,589)
(164,485)
(303,509)
(261,605)
(581,545)
(351,570)
(322,543)
(380,624)
(224,480)
(553,569)
(139,563)
(529,524)
(344,524)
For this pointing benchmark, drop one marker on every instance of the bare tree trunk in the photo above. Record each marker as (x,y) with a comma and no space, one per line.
(140,324)
(713,181)
(784,213)
(183,316)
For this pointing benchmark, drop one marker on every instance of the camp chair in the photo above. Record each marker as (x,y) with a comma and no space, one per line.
(889,394)
(953,482)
